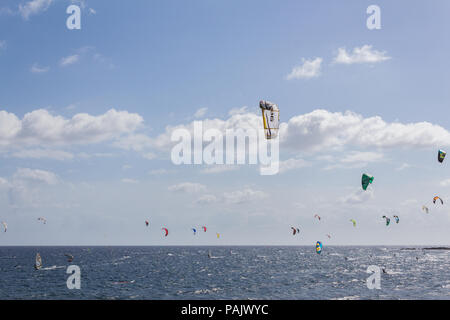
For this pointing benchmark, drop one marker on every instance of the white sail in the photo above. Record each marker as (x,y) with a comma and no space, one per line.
(38,263)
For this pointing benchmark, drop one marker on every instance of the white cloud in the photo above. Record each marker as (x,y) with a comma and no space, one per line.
(314,132)
(37,69)
(149,155)
(200,112)
(158,172)
(241,110)
(403,166)
(27,187)
(207,199)
(292,164)
(187,187)
(34,7)
(84,155)
(135,142)
(2,44)
(357,156)
(364,54)
(131,181)
(40,128)
(358,196)
(35,175)
(219,169)
(43,154)
(243,196)
(409,202)
(354,159)
(321,129)
(308,69)
(66,61)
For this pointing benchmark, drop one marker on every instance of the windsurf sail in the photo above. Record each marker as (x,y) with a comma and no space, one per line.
(38,262)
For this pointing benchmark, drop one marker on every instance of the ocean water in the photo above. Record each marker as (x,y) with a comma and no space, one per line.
(231,273)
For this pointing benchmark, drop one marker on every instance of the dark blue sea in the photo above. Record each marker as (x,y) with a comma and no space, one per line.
(230,273)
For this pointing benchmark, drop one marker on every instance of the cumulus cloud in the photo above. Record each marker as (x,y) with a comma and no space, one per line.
(364,54)
(156,172)
(37,69)
(35,175)
(66,61)
(237,197)
(34,7)
(308,69)
(321,129)
(242,196)
(207,199)
(40,128)
(403,166)
(313,132)
(128,180)
(292,164)
(149,155)
(354,159)
(43,154)
(200,112)
(26,188)
(220,169)
(187,187)
(358,196)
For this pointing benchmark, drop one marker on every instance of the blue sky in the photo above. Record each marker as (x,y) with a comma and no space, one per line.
(86,115)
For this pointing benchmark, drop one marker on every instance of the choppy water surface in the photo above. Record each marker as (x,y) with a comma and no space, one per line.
(231,273)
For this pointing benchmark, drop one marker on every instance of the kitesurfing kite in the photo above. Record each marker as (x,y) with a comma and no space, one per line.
(271,118)
(195,231)
(435,198)
(146,223)
(294,231)
(329,237)
(204,228)
(166,232)
(425,209)
(317,216)
(42,219)
(354,222)
(441,155)
(397,219)
(366,180)
(387,220)
(318,247)
(5,225)
(218,235)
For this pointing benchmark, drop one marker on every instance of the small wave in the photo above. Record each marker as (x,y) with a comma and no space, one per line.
(347,298)
(123,282)
(206,291)
(53,267)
